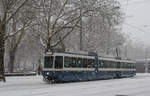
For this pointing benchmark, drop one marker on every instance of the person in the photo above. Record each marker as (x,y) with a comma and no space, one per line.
(2,78)
(39,70)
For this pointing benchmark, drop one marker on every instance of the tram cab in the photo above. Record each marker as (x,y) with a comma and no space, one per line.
(53,62)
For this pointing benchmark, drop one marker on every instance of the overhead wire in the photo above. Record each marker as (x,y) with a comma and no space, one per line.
(135,27)
(138,2)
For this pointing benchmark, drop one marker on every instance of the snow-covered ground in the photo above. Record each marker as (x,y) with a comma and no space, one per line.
(34,86)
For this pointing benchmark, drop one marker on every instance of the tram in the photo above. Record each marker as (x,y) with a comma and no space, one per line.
(70,67)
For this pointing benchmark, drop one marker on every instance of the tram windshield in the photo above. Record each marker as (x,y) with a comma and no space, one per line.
(48,61)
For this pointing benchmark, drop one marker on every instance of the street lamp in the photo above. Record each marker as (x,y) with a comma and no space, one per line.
(146,62)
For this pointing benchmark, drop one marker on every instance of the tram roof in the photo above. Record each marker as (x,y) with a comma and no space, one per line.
(90,56)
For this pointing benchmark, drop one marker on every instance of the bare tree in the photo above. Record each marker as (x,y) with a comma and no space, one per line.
(100,27)
(60,18)
(9,8)
(57,26)
(21,23)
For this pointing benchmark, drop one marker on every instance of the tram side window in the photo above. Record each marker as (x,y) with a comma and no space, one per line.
(126,65)
(118,64)
(99,64)
(133,66)
(112,64)
(79,62)
(85,63)
(115,64)
(90,63)
(73,63)
(102,65)
(48,61)
(67,62)
(109,64)
(123,65)
(129,65)
(105,64)
(59,62)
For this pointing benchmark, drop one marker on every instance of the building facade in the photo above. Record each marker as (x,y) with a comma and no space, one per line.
(143,65)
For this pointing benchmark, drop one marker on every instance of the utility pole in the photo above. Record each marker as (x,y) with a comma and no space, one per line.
(81,33)
(146,61)
(126,50)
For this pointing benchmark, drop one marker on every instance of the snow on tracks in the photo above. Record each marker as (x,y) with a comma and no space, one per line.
(34,86)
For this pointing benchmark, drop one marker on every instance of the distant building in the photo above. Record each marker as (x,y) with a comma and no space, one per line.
(141,65)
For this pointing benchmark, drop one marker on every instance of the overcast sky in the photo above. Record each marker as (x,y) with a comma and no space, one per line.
(137,21)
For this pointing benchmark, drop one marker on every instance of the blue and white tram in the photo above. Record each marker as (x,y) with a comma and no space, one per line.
(69,67)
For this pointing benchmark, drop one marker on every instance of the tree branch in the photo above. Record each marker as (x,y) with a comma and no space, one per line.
(63,27)
(60,40)
(15,12)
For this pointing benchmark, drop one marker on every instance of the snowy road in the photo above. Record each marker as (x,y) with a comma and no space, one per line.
(34,86)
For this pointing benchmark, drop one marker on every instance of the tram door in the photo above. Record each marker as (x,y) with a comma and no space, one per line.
(59,62)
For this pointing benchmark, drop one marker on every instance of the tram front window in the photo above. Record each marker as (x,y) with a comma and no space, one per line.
(48,61)
(58,62)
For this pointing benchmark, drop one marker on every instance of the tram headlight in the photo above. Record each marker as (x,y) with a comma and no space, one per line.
(47,73)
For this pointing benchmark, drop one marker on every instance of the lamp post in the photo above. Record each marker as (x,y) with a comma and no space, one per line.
(81,33)
(146,62)
(146,51)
